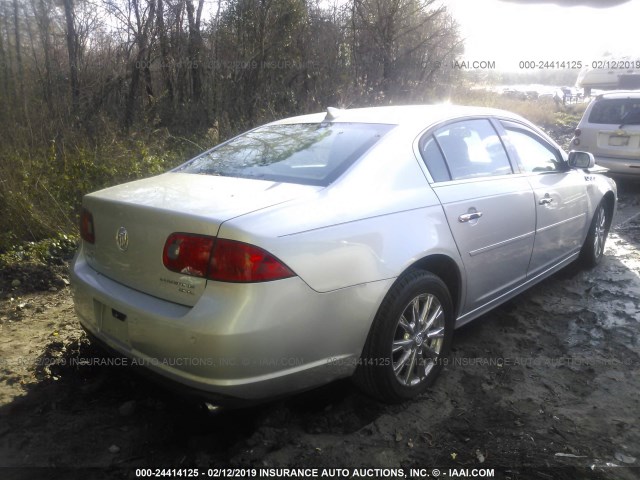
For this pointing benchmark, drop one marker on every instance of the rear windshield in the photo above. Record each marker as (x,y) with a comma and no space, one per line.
(616,111)
(309,153)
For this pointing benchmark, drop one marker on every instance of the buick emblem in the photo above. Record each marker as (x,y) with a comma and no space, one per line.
(122,239)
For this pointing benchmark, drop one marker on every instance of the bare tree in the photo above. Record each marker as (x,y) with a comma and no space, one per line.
(166,63)
(195,46)
(72,49)
(41,15)
(398,45)
(20,66)
(143,25)
(4,60)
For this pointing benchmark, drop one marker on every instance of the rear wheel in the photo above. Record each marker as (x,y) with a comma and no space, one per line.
(593,248)
(409,339)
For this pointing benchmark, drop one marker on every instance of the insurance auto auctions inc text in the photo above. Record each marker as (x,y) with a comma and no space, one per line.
(369,473)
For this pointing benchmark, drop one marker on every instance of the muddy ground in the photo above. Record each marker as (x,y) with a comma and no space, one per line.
(544,387)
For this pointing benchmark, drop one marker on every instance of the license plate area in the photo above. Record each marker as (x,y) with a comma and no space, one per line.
(112,322)
(619,141)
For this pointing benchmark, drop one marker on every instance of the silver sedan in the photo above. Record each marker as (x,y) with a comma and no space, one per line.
(343,243)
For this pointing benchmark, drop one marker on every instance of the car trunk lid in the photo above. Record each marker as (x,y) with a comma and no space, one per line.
(147,211)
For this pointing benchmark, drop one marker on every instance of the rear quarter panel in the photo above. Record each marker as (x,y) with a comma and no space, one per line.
(374,222)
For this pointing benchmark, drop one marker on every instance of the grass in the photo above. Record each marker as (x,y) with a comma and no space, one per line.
(42,185)
(544,113)
(51,251)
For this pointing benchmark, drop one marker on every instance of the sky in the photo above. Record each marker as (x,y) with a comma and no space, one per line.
(510,31)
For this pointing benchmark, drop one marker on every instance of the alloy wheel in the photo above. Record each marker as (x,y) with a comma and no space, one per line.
(600,232)
(418,339)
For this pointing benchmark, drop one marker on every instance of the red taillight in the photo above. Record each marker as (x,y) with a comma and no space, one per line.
(188,254)
(221,260)
(240,262)
(578,132)
(87,231)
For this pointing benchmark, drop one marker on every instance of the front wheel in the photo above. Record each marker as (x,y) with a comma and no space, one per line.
(409,339)
(593,248)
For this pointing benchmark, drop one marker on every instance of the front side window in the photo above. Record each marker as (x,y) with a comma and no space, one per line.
(471,148)
(309,154)
(534,155)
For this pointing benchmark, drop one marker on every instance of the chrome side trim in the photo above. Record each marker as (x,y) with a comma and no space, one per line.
(567,220)
(473,253)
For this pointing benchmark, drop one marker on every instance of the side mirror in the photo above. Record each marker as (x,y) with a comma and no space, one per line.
(581,159)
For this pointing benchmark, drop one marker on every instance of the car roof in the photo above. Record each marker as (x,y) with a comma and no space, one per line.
(414,115)
(617,94)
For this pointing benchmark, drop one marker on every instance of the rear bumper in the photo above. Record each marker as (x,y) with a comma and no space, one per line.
(245,341)
(184,391)
(620,166)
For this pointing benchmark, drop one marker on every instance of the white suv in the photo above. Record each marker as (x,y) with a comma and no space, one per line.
(610,130)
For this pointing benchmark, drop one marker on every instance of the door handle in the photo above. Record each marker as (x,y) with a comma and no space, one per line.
(465,217)
(546,200)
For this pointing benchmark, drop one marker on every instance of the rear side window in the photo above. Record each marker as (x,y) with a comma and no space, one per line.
(310,153)
(471,148)
(433,158)
(616,111)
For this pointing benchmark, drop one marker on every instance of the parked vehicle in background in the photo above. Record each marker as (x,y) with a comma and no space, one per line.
(609,74)
(323,246)
(610,130)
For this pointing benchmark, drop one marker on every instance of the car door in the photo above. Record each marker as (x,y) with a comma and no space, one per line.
(561,200)
(490,210)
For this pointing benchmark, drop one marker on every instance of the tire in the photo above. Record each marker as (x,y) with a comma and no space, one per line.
(400,361)
(593,249)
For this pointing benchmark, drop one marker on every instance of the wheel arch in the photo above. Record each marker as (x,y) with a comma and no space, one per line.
(448,271)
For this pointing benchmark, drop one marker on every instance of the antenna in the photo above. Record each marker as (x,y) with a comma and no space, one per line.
(332,113)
